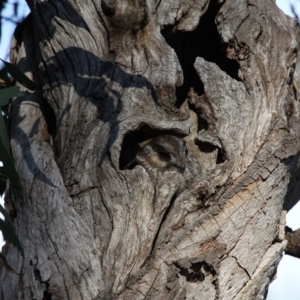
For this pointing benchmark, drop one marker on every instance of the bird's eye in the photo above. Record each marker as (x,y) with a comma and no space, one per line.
(164,155)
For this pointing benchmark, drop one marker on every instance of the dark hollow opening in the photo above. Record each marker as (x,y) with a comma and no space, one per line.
(130,145)
(204,42)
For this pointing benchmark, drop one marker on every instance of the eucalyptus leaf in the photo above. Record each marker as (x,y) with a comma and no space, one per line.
(4,77)
(3,179)
(2,175)
(19,76)
(9,168)
(9,235)
(10,92)
(2,184)
(6,215)
(3,134)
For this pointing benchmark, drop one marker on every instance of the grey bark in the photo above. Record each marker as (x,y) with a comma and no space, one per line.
(293,239)
(116,74)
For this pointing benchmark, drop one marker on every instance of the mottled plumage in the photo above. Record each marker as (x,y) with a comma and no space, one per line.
(163,152)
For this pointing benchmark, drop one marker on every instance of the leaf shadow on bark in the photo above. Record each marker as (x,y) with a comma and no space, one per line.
(99,90)
(26,138)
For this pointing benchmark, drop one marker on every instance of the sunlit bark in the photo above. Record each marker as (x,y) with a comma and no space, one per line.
(98,223)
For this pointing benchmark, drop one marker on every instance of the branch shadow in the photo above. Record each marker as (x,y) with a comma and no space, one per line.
(103,88)
(101,82)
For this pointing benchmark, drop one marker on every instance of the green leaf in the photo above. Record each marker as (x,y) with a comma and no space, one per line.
(2,186)
(7,93)
(2,173)
(6,216)
(4,77)
(3,134)
(9,231)
(9,168)
(9,235)
(3,179)
(19,76)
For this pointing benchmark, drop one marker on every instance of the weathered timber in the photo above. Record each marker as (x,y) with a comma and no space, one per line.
(116,74)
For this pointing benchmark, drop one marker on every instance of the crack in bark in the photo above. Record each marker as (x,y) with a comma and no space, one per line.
(162,222)
(242,267)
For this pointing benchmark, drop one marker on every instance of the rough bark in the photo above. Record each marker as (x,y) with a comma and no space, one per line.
(114,75)
(293,239)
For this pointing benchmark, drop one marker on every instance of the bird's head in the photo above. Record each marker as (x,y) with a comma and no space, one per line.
(164,152)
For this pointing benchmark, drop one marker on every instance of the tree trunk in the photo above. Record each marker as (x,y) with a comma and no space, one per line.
(114,206)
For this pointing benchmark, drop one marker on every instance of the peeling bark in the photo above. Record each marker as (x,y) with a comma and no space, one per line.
(219,78)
